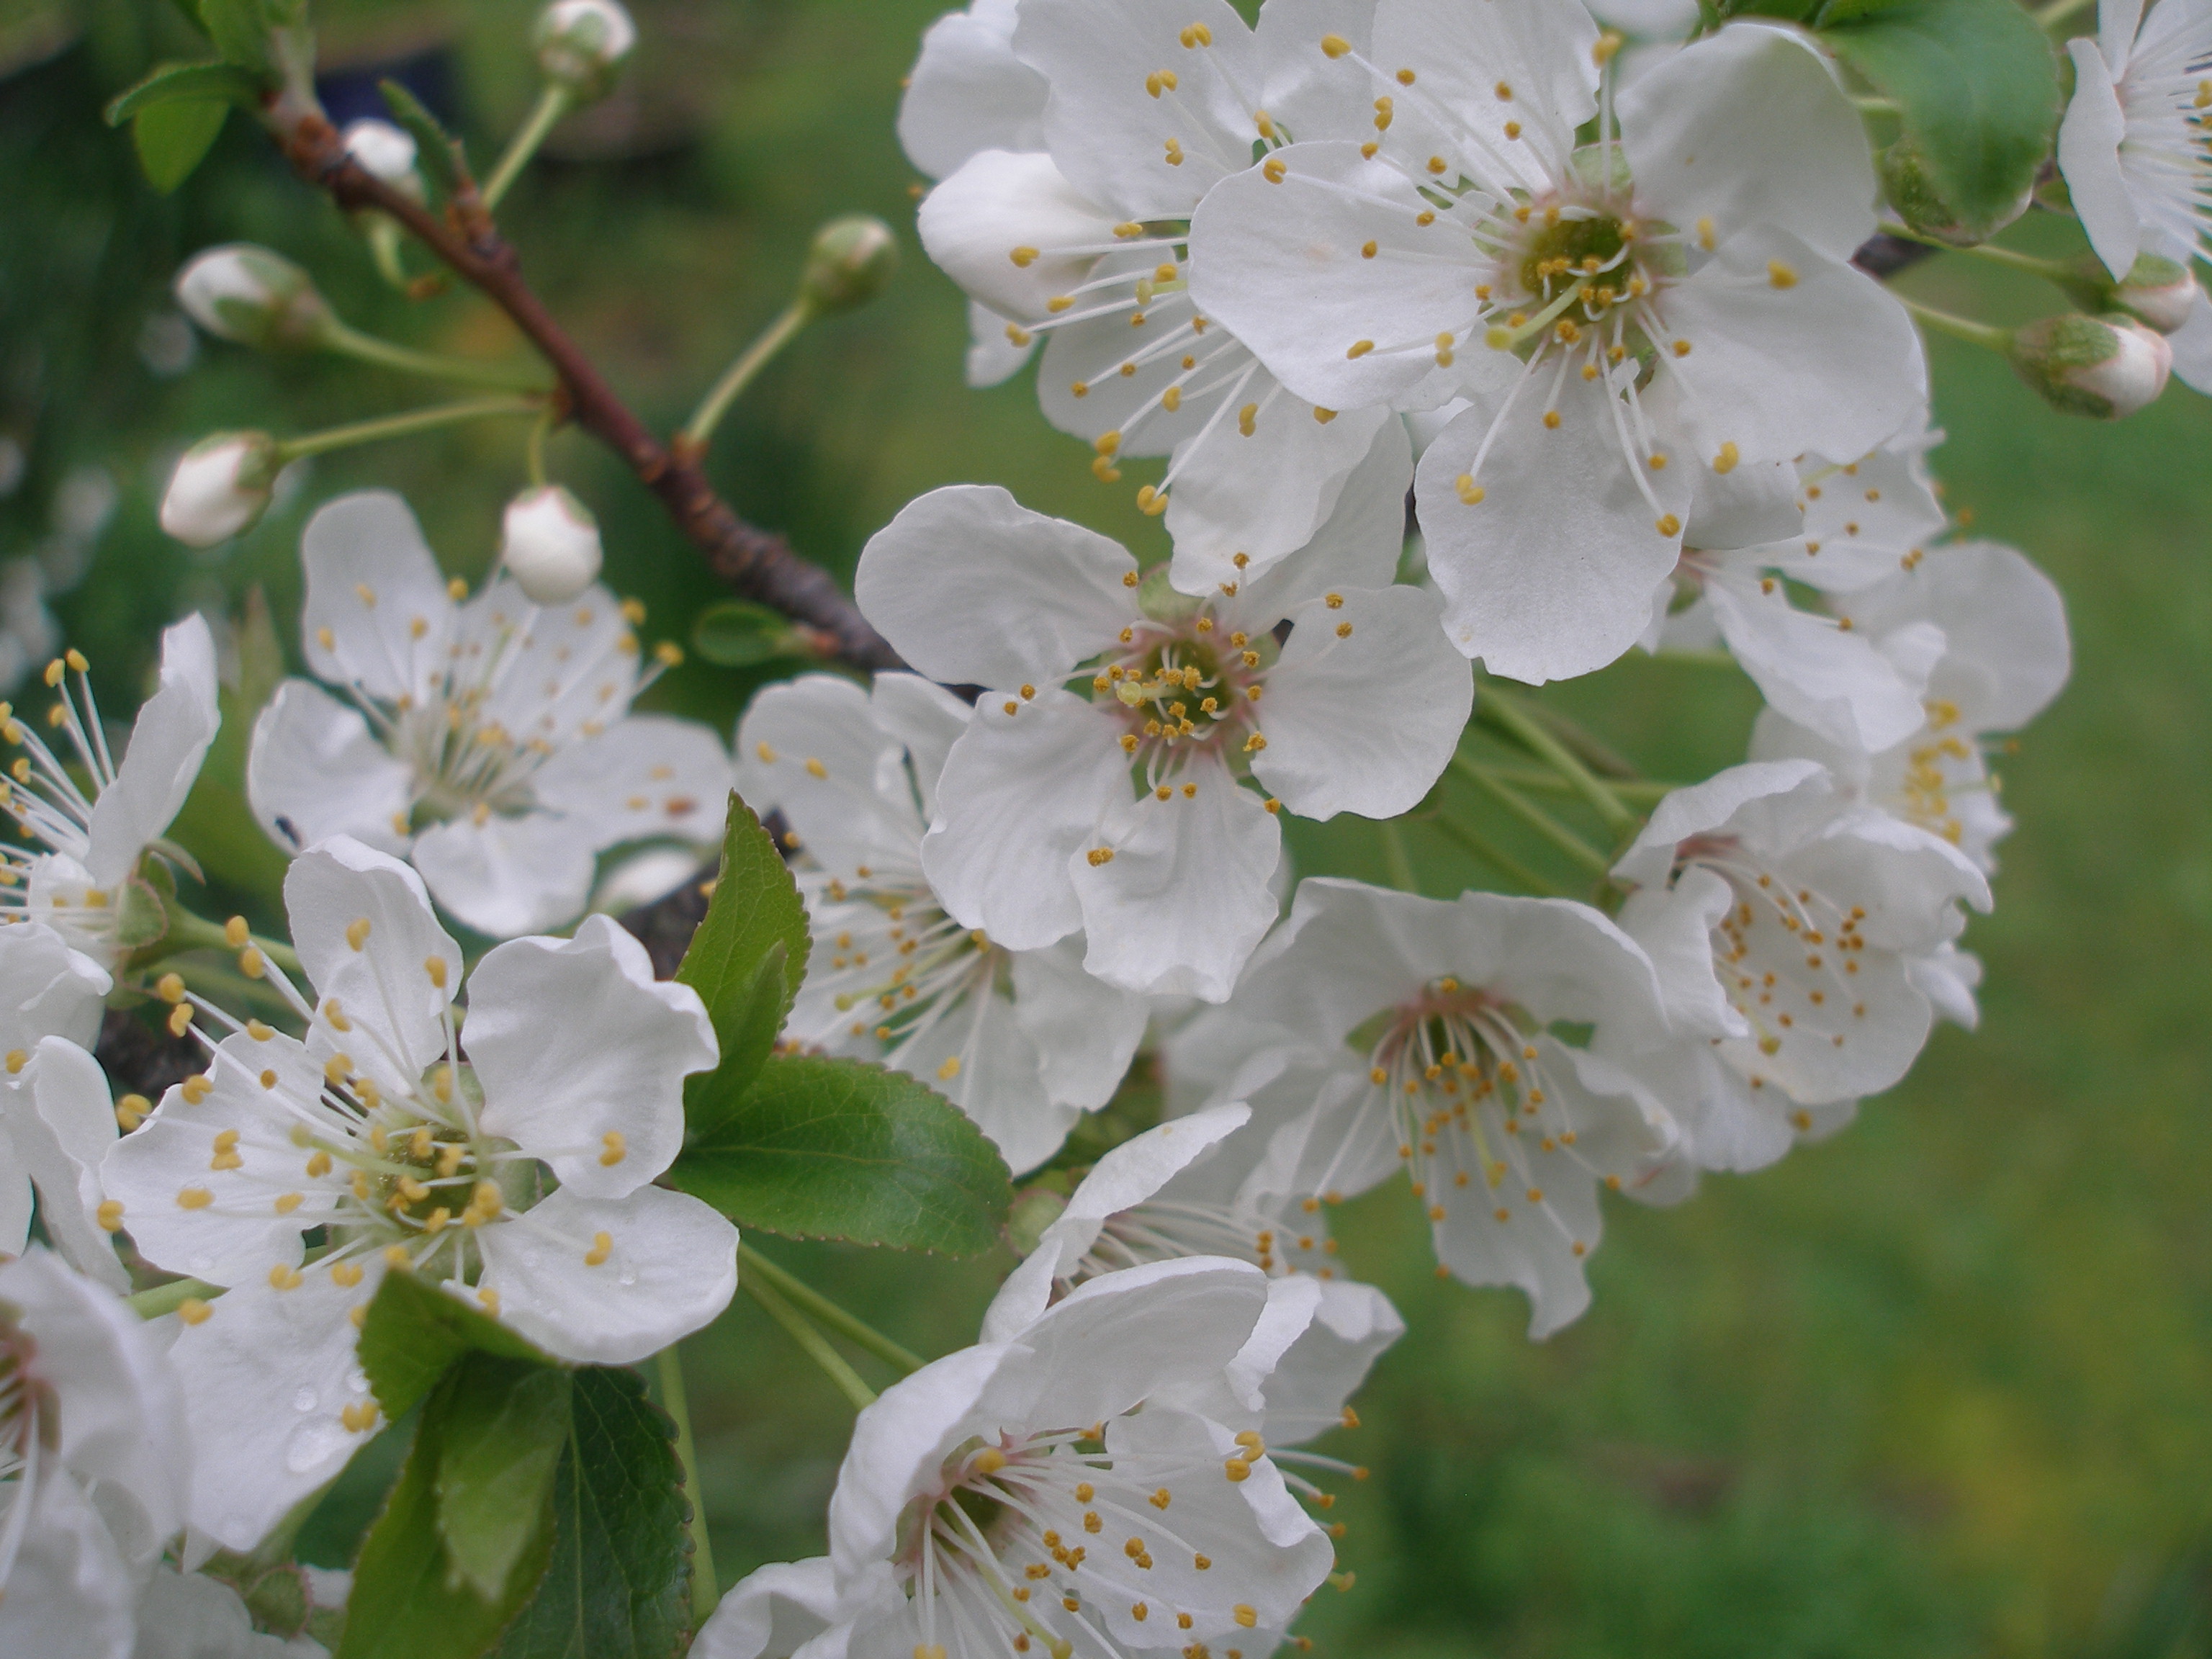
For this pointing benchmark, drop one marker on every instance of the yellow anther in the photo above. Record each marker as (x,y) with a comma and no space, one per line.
(1245,418)
(170,988)
(235,932)
(1246,1616)
(1273,170)
(1360,347)
(1608,44)
(1023,257)
(613,1148)
(395,1256)
(489,1298)
(356,932)
(1706,234)
(250,964)
(1236,1468)
(54,671)
(1726,460)
(435,966)
(345,1274)
(193,1311)
(197,1088)
(194,1198)
(1668,525)
(1335,45)
(1098,855)
(1779,275)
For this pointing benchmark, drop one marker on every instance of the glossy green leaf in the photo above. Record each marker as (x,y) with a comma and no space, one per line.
(746,962)
(414,1333)
(839,1149)
(189,83)
(615,1586)
(504,1424)
(172,138)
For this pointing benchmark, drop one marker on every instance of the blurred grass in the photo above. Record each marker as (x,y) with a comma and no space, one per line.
(1939,1386)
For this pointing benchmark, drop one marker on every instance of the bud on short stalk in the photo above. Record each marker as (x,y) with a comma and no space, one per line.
(221,486)
(256,298)
(2157,292)
(850,261)
(551,544)
(2102,367)
(580,42)
(385,152)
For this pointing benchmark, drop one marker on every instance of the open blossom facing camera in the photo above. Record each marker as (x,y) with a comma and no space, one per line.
(1023,1042)
(88,818)
(519,1177)
(488,740)
(1119,808)
(1674,297)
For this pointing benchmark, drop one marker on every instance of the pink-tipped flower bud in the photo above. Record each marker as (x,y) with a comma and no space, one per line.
(243,293)
(552,545)
(580,42)
(2102,367)
(221,486)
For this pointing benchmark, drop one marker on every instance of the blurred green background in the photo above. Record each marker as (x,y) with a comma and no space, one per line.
(1939,1386)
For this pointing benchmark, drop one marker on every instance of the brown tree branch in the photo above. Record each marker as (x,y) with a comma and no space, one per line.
(757,563)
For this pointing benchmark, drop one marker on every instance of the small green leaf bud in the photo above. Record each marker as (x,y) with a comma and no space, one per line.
(2102,367)
(248,293)
(580,42)
(221,486)
(551,544)
(850,262)
(1915,200)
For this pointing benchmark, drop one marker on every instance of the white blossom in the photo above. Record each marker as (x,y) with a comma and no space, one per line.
(1023,1042)
(580,42)
(968,92)
(488,741)
(1787,924)
(372,1133)
(1119,809)
(1672,298)
(89,825)
(2131,144)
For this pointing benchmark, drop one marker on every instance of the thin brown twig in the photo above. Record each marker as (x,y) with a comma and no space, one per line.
(755,562)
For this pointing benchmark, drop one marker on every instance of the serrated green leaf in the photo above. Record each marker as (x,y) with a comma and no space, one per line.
(408,1601)
(746,962)
(839,1149)
(197,83)
(239,32)
(616,1586)
(503,1428)
(436,151)
(172,139)
(1977,87)
(414,1333)
(738,633)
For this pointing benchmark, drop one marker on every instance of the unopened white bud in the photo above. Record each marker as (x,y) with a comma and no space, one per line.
(2102,367)
(579,43)
(2160,293)
(850,262)
(552,545)
(248,293)
(221,487)
(385,152)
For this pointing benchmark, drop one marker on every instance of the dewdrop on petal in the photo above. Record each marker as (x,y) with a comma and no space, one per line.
(2102,367)
(221,487)
(256,298)
(580,42)
(551,544)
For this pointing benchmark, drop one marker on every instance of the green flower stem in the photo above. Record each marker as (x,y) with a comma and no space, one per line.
(1531,781)
(754,357)
(350,341)
(706,1589)
(399,426)
(167,1298)
(190,932)
(815,1345)
(1495,856)
(1877,106)
(1503,710)
(553,103)
(1395,860)
(2051,270)
(384,241)
(1533,815)
(1998,340)
(824,1311)
(534,447)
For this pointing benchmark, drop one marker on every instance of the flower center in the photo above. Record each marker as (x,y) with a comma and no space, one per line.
(1182,688)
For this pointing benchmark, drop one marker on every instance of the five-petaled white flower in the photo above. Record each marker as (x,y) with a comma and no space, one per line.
(1674,296)
(1079,236)
(93,1462)
(489,741)
(1420,1032)
(1790,928)
(519,1177)
(86,843)
(1070,1489)
(1023,1042)
(1119,808)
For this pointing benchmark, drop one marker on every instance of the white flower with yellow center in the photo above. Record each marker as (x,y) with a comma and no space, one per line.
(1789,927)
(1676,295)
(1419,1035)
(1067,1491)
(1081,239)
(518,1177)
(1023,1042)
(93,1464)
(1100,783)
(487,740)
(90,822)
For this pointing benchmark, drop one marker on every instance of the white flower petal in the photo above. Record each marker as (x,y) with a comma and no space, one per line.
(47,988)
(167,742)
(997,348)
(508,876)
(645,776)
(380,973)
(928,719)
(582,1055)
(976,1054)
(1683,813)
(670,1266)
(1356,544)
(1541,49)
(2006,649)
(62,1121)
(972,587)
(1674,927)
(371,578)
(1364,707)
(2089,139)
(1085,1029)
(316,770)
(1830,680)
(772,1611)
(1351,1327)
(811,748)
(968,92)
(69,1594)
(997,226)
(553,672)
